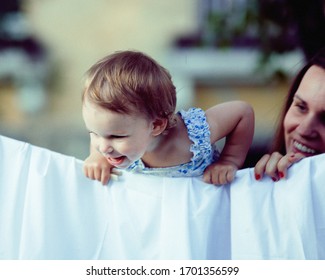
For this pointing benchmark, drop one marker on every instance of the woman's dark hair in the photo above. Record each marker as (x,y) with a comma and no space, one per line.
(279,142)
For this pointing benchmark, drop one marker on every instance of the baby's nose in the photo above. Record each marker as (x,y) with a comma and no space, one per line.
(105,147)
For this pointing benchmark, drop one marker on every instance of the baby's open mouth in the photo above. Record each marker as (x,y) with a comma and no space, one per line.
(115,161)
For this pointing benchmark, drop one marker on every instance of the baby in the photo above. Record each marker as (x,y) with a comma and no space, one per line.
(129,103)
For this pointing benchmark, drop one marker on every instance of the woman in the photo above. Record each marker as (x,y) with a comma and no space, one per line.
(301,130)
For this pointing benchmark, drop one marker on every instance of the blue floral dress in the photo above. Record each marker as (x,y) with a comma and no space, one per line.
(203,152)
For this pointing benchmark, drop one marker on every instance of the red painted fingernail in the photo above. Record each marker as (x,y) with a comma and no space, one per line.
(257,176)
(281,174)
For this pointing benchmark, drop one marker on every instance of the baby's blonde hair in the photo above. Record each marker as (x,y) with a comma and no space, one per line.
(131,82)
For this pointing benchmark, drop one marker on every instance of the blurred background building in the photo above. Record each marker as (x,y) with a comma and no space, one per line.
(216,51)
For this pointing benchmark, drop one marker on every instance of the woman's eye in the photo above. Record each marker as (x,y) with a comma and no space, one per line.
(322,118)
(301,107)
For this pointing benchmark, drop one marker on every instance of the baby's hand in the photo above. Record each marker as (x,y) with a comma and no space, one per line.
(220,173)
(96,167)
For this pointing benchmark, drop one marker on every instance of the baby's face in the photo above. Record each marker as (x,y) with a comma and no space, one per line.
(121,138)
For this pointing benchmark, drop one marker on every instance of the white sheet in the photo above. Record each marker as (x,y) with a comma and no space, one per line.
(49,210)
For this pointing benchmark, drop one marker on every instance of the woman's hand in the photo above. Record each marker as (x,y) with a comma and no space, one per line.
(275,165)
(96,167)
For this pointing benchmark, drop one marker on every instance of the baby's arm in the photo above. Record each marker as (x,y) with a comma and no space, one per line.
(235,121)
(96,167)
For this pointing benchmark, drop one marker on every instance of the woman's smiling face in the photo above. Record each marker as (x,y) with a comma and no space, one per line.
(304,124)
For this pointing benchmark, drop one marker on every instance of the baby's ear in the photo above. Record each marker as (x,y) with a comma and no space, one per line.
(159,126)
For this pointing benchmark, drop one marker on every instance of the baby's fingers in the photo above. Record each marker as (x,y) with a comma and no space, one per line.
(96,173)
(115,173)
(89,172)
(207,176)
(104,176)
(99,175)
(225,176)
(219,175)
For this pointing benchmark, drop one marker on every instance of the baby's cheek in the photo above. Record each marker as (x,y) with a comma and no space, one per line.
(127,150)
(134,154)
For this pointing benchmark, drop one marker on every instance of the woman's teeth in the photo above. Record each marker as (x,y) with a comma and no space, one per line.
(303,148)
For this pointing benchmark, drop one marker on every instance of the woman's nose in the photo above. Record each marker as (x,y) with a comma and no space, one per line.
(307,127)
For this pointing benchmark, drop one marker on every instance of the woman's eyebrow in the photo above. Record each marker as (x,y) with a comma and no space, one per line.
(296,96)
(299,99)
